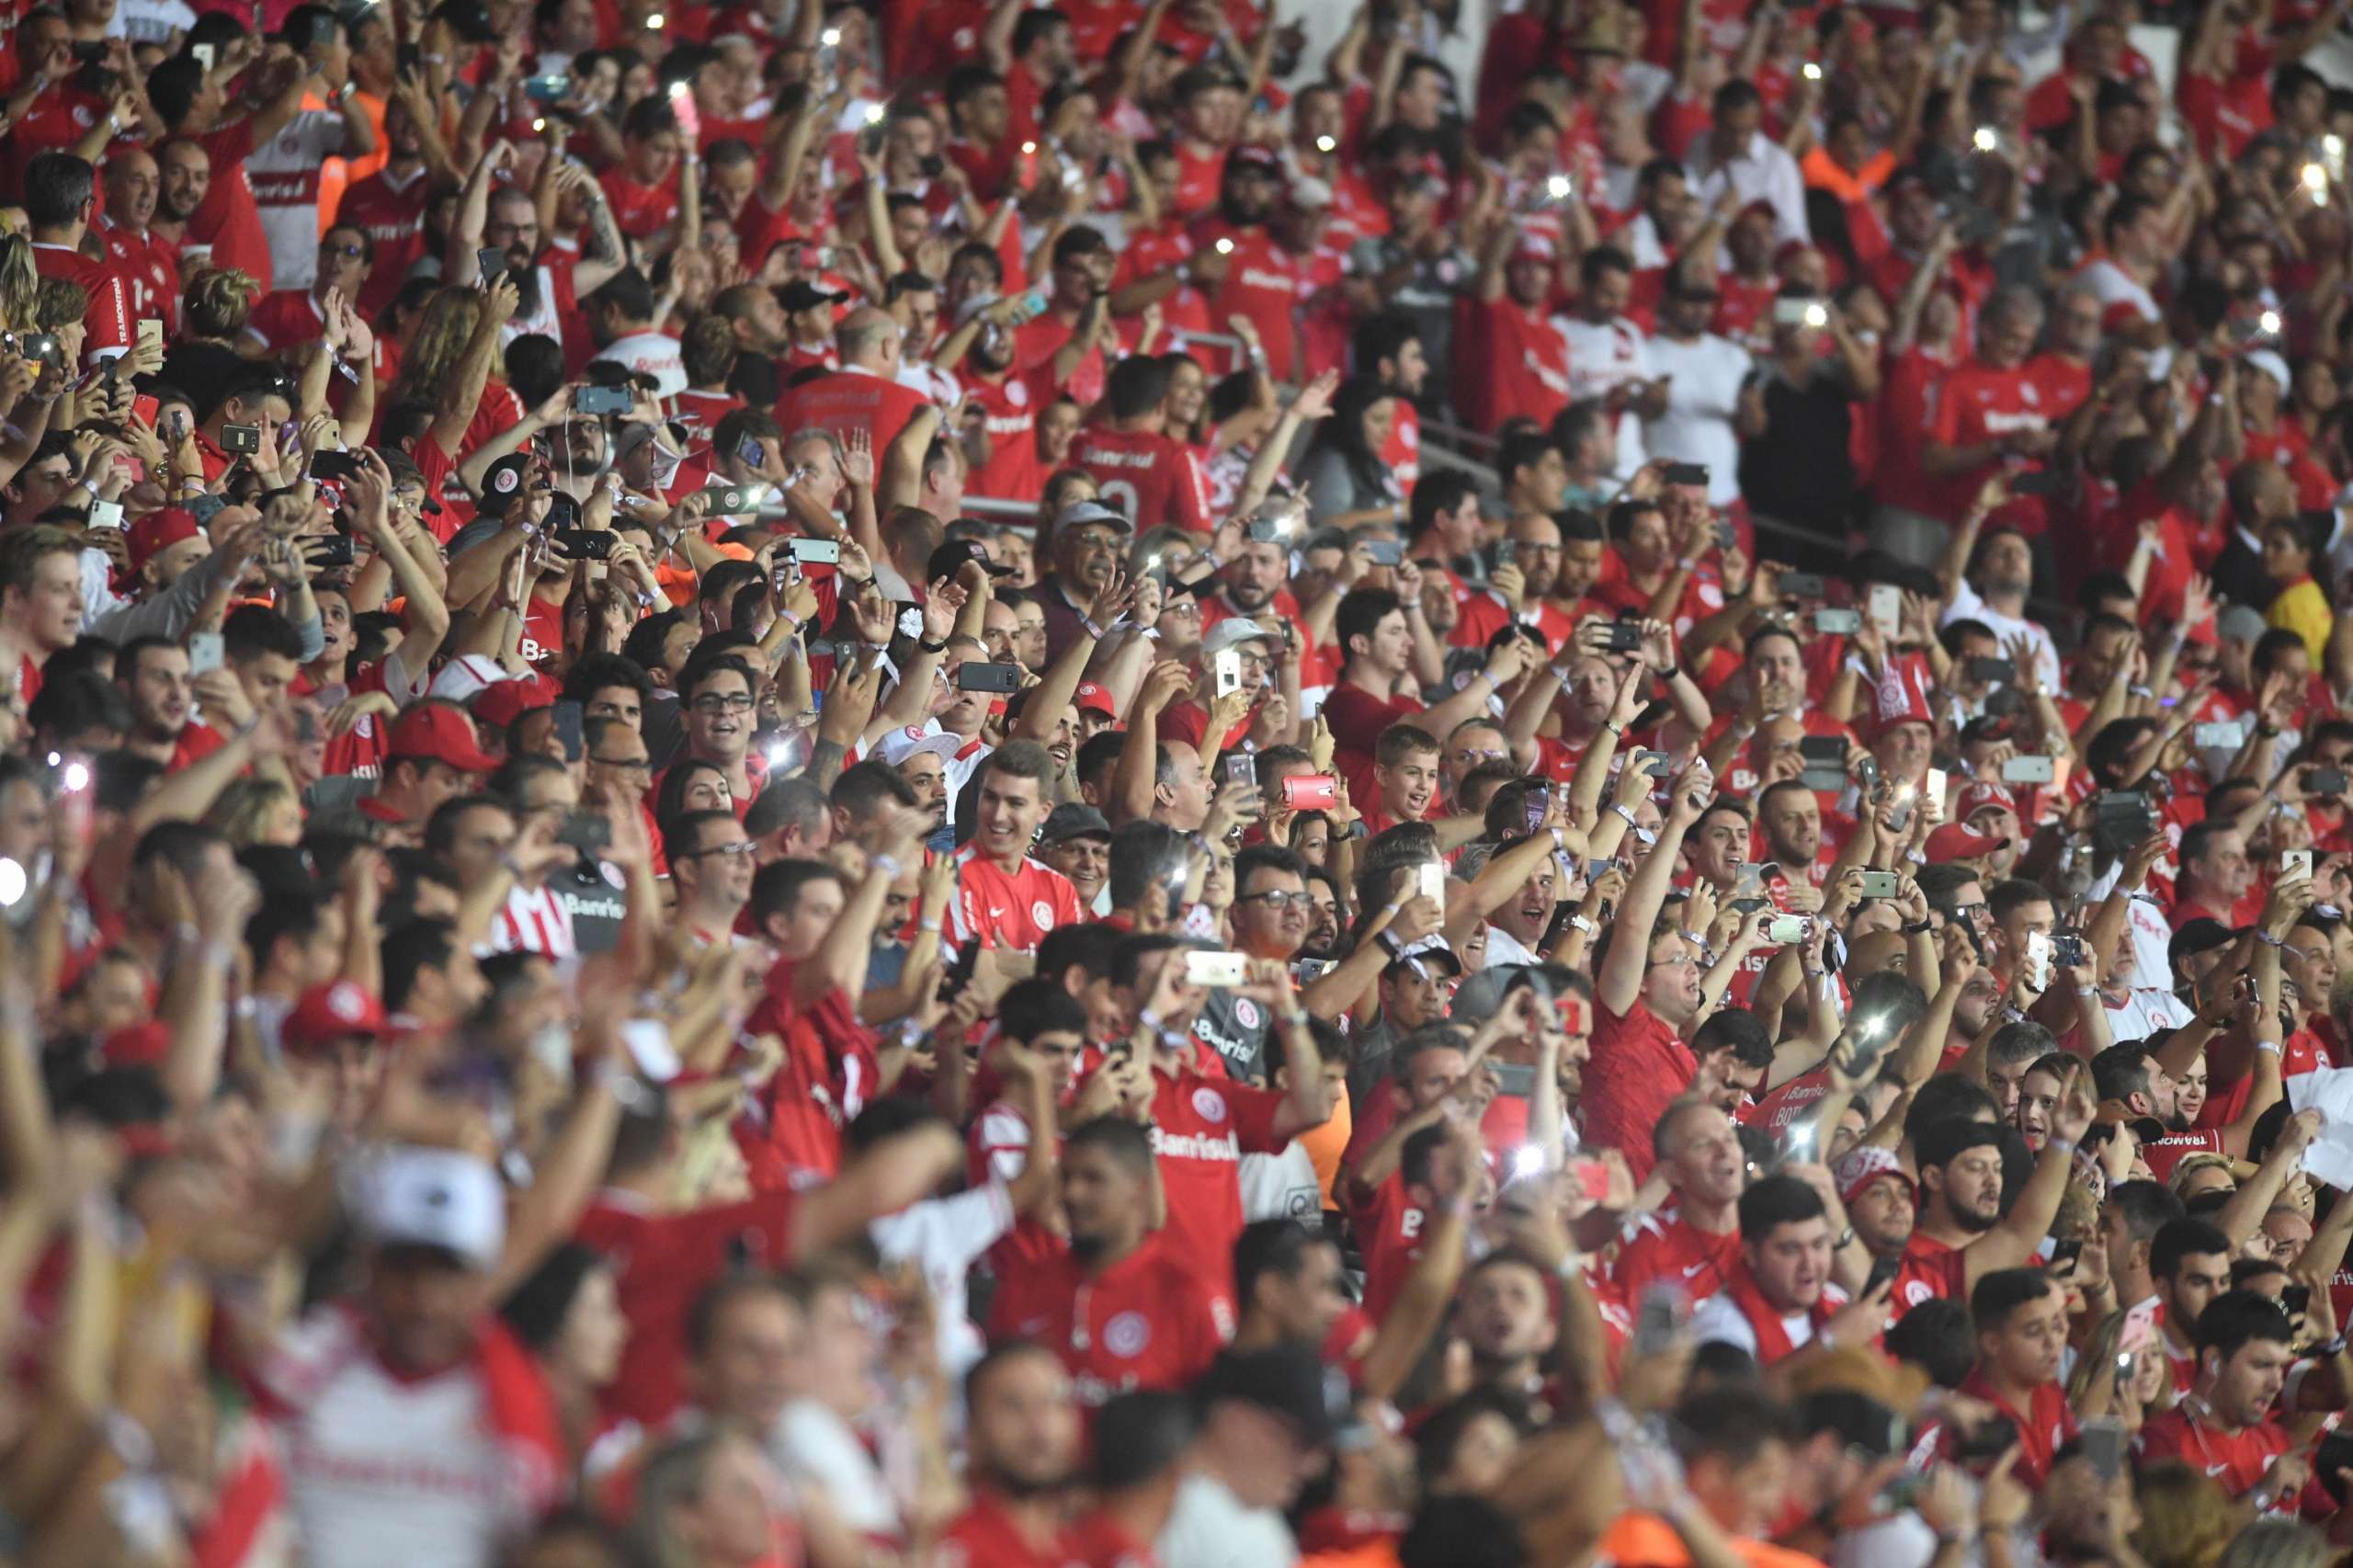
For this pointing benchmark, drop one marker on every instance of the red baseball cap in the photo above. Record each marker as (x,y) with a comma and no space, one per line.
(509,699)
(156,532)
(438,733)
(337,1010)
(1982,794)
(138,1045)
(1956,842)
(1093,699)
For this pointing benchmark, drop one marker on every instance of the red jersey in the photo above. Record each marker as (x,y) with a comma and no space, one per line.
(664,1261)
(1357,718)
(1639,1065)
(1523,371)
(641,211)
(1201,1128)
(2235,1459)
(1155,479)
(1389,1228)
(1009,407)
(1671,1247)
(1150,1321)
(391,211)
(106,320)
(286,318)
(149,267)
(1014,911)
(226,227)
(794,1129)
(1930,1269)
(1978,404)
(1034,343)
(2046,1426)
(984,1536)
(850,399)
(1268,284)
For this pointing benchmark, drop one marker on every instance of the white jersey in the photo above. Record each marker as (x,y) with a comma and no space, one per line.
(653,353)
(285,178)
(1601,360)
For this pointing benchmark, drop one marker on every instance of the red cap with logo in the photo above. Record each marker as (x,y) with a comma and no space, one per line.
(337,1010)
(1092,698)
(1982,794)
(1955,841)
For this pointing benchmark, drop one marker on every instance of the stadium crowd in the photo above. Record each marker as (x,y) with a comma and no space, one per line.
(1001,784)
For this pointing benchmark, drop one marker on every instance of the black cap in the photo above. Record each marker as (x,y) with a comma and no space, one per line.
(1289,1380)
(503,482)
(803,295)
(1073,818)
(949,558)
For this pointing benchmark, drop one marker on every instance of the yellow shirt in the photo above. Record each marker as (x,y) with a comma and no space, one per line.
(2303,610)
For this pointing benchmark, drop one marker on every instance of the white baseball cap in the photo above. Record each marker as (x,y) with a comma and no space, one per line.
(914,740)
(438,1198)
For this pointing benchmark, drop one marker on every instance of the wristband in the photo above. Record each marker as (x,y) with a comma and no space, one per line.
(2064,1145)
(930,647)
(1919,928)
(2267,939)
(1846,1238)
(1620,807)
(888,864)
(1087,622)
(2270,1045)
(1614,727)
(930,925)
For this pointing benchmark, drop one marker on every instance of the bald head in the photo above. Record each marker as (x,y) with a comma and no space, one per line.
(869,338)
(132,181)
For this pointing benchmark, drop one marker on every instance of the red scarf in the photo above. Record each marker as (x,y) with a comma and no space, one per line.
(1765,1319)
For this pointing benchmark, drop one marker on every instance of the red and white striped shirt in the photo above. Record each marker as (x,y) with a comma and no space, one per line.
(534,921)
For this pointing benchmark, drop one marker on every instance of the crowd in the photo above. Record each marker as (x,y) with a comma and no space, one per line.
(1001,784)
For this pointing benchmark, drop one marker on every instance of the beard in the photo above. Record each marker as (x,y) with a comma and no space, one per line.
(1971,1219)
(1019,1486)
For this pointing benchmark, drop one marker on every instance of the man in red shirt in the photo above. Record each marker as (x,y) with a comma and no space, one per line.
(2217,879)
(1002,897)
(1961,1233)
(1151,477)
(1697,1244)
(1022,1438)
(864,395)
(1122,1304)
(61,193)
(2020,1318)
(2226,1428)
(667,1256)
(1383,638)
(643,185)
(1991,412)
(147,263)
(1524,370)
(1271,273)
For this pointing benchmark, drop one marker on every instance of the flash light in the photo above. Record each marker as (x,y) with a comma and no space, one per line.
(13,882)
(1224,246)
(1983,140)
(1557,188)
(2269,323)
(1812,71)
(654,21)
(1326,145)
(1527,1159)
(831,37)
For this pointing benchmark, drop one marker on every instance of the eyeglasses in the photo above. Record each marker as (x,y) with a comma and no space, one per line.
(715,703)
(1968,911)
(625,764)
(1279,902)
(349,252)
(740,846)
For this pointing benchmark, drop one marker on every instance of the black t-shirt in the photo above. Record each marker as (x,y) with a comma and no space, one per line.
(1802,469)
(594,893)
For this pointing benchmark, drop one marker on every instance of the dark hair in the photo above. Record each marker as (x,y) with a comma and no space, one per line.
(2002,1291)
(537,1307)
(2236,1318)
(1360,613)
(1037,1006)
(1140,1436)
(59,187)
(1115,1136)
(2177,1240)
(1278,1248)
(252,631)
(1776,1200)
(1935,1336)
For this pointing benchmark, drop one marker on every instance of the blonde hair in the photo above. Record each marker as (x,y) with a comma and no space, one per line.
(243,808)
(19,284)
(443,329)
(218,300)
(2100,1351)
(2185,1519)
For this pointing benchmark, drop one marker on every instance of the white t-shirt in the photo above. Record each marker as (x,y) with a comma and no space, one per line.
(1601,360)
(1697,427)
(651,354)
(151,21)
(2144,1014)
(1720,1318)
(1210,1527)
(1281,1186)
(813,1445)
(2111,286)
(944,1236)
(1967,606)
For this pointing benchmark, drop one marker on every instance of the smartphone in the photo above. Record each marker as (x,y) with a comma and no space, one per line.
(2292,863)
(1786,930)
(2026,770)
(2103,1440)
(2296,1298)
(1310,791)
(1882,884)
(1800,312)
(975,675)
(2038,959)
(204,55)
(1513,1078)
(1240,769)
(1507,553)
(1886,605)
(1988,1440)
(750,453)
(1799,585)
(2325,782)
(151,335)
(1383,551)
(1687,473)
(602,400)
(2228,733)
(1836,622)
(330,549)
(1533,808)
(2067,948)
(204,652)
(1266,531)
(1621,637)
(1823,751)
(583,544)
(1992,672)
(493,262)
(1229,670)
(1938,783)
(241,437)
(1654,763)
(567,730)
(547,90)
(2064,1256)
(1215,969)
(144,408)
(1659,1319)
(816,551)
(1589,1176)
(1726,535)
(329,464)
(727,499)
(1882,1270)
(1432,878)
(2139,1328)
(584,830)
